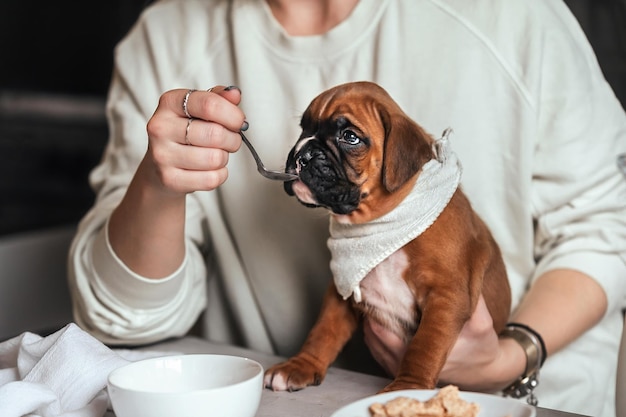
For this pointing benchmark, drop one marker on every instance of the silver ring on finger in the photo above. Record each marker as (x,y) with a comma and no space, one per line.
(187,142)
(186,101)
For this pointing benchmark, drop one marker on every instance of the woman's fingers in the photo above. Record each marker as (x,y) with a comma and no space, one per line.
(187,181)
(191,153)
(218,104)
(205,134)
(476,348)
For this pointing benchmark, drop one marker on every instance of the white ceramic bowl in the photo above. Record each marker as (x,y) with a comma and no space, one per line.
(186,386)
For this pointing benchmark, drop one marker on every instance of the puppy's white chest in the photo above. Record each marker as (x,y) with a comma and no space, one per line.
(386,294)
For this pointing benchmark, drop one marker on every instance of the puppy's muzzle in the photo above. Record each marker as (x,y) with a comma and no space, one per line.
(325,178)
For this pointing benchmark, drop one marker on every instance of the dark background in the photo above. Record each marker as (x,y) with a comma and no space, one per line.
(56,61)
(55,66)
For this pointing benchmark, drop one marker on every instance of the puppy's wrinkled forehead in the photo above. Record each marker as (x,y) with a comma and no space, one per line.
(348,103)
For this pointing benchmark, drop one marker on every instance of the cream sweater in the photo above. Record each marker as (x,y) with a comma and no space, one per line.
(537,130)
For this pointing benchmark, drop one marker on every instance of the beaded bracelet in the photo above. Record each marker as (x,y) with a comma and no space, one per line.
(536,354)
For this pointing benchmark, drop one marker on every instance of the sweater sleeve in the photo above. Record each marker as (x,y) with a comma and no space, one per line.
(109,300)
(120,307)
(580,195)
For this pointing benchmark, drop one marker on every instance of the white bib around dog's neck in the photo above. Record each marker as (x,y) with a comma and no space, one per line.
(357,249)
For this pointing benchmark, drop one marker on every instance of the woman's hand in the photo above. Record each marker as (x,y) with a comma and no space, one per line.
(478,361)
(481,361)
(187,154)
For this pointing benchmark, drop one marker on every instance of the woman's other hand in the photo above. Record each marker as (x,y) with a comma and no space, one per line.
(478,361)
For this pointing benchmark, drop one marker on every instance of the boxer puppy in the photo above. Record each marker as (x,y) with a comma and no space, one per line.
(408,251)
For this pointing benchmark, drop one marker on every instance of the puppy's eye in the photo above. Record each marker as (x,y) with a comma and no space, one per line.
(350,137)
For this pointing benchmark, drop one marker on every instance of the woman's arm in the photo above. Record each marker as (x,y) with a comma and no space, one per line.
(146,230)
(145,223)
(561,305)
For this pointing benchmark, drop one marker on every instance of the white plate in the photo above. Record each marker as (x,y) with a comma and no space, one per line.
(490,405)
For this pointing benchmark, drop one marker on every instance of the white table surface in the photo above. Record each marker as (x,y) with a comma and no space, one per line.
(340,387)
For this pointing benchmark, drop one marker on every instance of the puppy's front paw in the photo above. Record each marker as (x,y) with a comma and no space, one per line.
(293,375)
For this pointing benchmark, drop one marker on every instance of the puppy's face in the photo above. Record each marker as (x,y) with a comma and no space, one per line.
(358,154)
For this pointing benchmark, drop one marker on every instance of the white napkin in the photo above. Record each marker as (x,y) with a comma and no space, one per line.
(61,375)
(356,249)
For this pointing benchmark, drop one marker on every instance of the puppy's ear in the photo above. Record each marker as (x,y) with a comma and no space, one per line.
(407,147)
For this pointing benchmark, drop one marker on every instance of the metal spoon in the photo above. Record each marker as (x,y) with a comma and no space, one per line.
(272,175)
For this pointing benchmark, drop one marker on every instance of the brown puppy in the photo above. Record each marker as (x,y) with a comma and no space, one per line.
(408,251)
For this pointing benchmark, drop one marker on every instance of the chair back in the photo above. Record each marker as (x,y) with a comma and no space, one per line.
(34,294)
